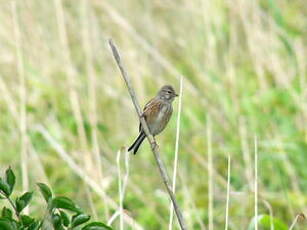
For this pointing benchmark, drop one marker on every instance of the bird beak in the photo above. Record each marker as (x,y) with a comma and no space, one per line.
(176,95)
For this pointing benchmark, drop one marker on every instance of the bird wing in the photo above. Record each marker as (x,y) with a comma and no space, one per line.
(149,111)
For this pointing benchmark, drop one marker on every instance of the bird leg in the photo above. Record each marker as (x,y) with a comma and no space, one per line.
(154,145)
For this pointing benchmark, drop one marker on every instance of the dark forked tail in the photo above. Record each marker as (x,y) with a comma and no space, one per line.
(136,144)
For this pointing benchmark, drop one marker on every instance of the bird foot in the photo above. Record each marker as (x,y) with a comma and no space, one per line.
(155,146)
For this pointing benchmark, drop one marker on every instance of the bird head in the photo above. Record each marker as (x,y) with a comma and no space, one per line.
(168,93)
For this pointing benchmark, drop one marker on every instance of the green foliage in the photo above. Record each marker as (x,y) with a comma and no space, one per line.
(265,222)
(7,224)
(23,201)
(46,192)
(64,203)
(7,213)
(10,178)
(96,226)
(4,187)
(79,219)
(56,210)
(65,218)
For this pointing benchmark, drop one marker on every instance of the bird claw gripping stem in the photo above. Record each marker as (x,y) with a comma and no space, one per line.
(155,146)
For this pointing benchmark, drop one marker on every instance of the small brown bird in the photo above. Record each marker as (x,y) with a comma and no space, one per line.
(156,113)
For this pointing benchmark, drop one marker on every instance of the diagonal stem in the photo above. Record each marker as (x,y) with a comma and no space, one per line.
(12,204)
(150,138)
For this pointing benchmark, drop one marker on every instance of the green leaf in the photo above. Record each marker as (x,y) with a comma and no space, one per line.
(57,222)
(10,178)
(65,218)
(265,221)
(64,203)
(26,220)
(79,219)
(6,224)
(7,213)
(96,226)
(4,187)
(34,226)
(45,191)
(23,201)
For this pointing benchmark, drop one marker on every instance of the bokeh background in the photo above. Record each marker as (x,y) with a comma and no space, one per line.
(65,111)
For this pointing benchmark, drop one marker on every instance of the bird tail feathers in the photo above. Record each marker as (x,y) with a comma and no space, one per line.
(136,144)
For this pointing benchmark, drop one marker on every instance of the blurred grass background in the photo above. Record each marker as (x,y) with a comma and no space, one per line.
(244,68)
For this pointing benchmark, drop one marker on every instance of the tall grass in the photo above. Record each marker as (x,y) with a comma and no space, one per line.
(244,66)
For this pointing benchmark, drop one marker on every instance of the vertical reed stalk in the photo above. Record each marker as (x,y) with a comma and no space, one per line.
(170,226)
(228,193)
(256,182)
(23,103)
(210,174)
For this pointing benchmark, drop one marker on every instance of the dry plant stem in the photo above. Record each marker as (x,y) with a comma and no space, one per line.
(23,101)
(210,175)
(202,162)
(71,75)
(113,217)
(122,184)
(170,226)
(85,17)
(228,193)
(246,153)
(269,207)
(296,219)
(73,93)
(256,182)
(150,138)
(121,222)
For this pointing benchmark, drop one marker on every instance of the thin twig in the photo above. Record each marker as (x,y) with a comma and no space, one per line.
(150,138)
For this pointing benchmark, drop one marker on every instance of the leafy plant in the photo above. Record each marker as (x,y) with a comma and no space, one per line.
(61,212)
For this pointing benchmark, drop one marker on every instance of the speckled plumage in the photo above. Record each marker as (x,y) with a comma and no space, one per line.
(157,113)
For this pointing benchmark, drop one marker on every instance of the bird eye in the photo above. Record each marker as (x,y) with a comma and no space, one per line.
(169,91)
